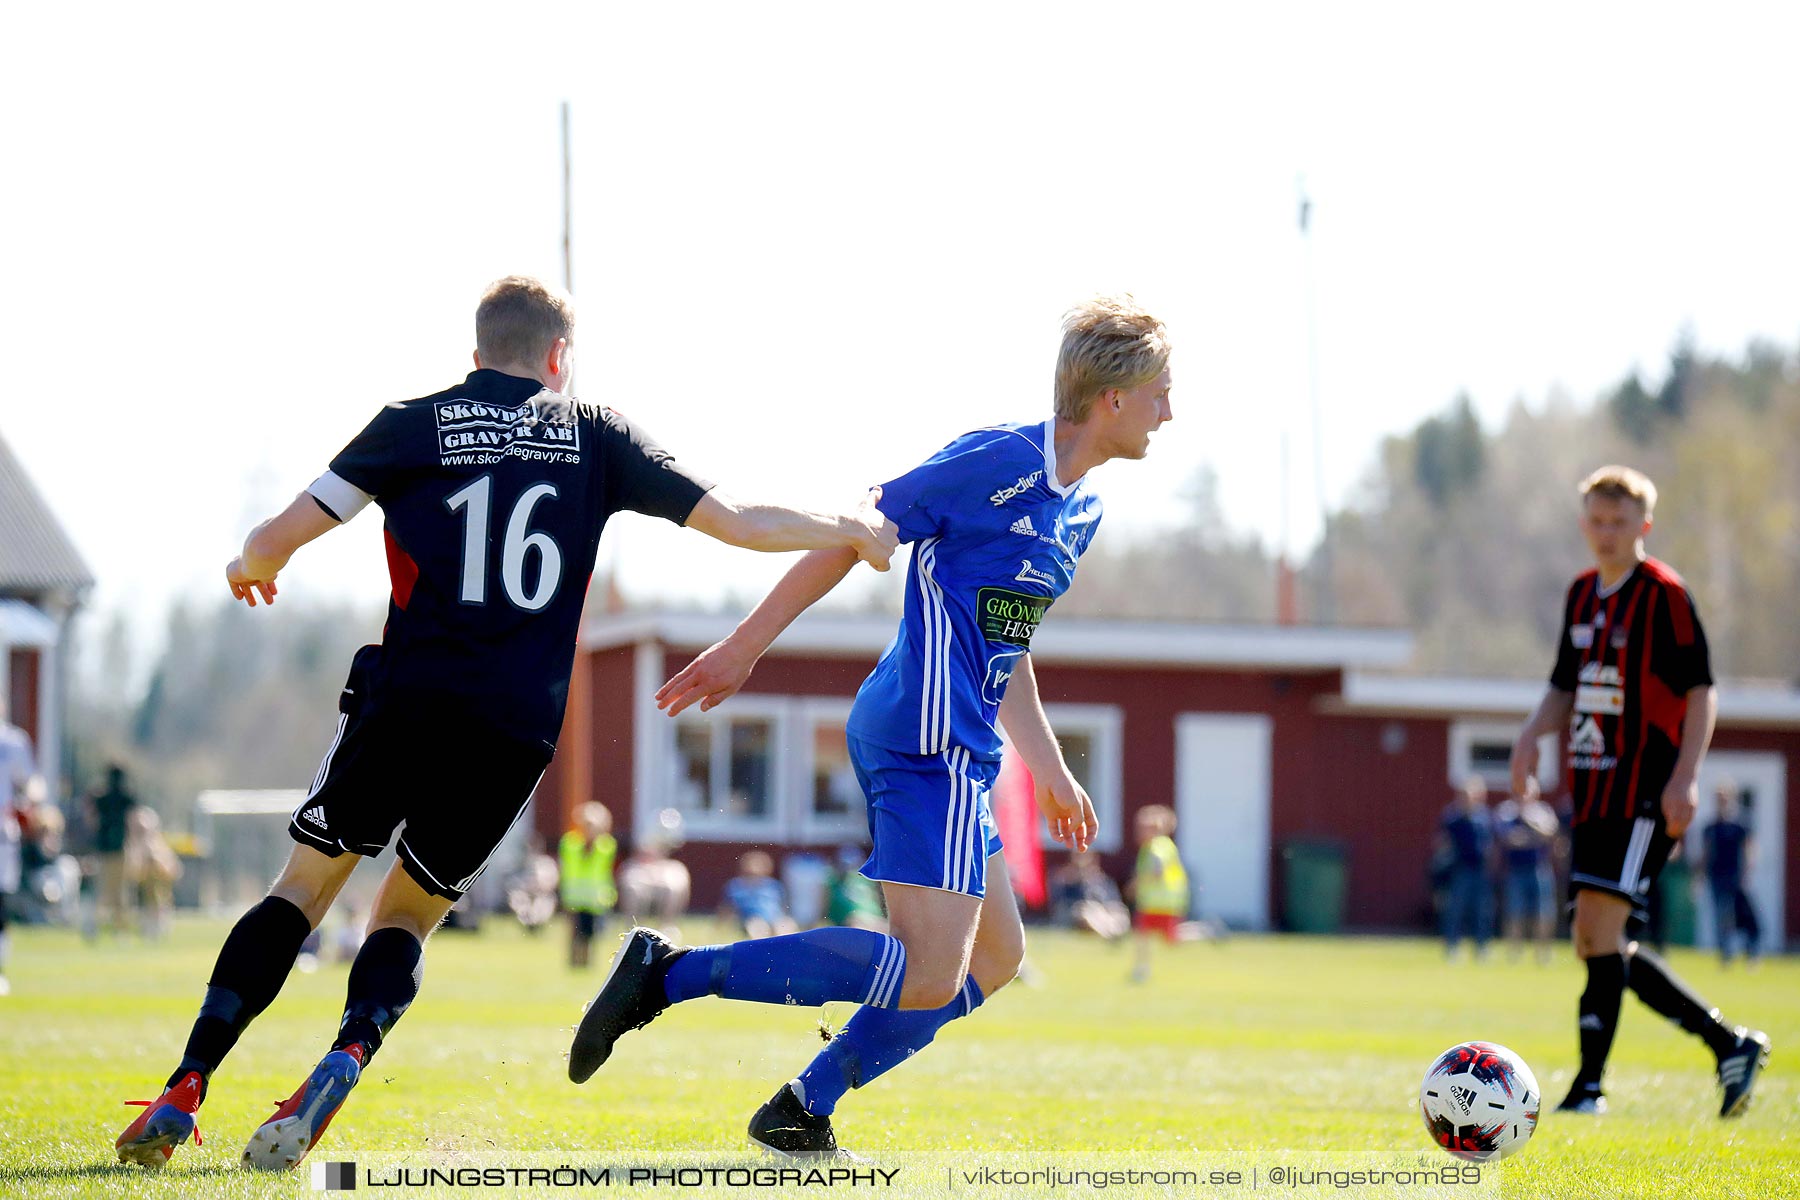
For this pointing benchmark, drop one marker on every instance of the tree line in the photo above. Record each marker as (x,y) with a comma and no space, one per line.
(1466,535)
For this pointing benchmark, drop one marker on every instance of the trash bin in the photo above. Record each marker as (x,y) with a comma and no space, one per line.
(1675,893)
(1313,877)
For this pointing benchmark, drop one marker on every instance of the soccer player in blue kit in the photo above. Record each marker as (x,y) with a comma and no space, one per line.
(998,520)
(494,494)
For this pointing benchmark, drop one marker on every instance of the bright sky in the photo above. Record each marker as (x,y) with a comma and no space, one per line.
(815,241)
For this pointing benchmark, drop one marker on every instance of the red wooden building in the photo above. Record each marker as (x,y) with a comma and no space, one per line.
(1258,735)
(42,582)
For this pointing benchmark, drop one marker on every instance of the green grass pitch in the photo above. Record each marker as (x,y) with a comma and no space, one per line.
(1258,1044)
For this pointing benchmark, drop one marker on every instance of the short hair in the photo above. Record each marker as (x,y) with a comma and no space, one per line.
(1621,483)
(520,318)
(1159,817)
(1108,342)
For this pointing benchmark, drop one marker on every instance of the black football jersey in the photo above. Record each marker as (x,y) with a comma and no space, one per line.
(1630,656)
(494,494)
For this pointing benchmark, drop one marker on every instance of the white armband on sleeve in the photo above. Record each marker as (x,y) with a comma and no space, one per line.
(338,496)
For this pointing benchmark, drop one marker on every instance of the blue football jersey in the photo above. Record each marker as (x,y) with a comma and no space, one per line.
(995,541)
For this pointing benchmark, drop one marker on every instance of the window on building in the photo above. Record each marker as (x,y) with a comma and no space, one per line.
(725,771)
(777,769)
(1090,736)
(831,801)
(765,768)
(752,790)
(1484,748)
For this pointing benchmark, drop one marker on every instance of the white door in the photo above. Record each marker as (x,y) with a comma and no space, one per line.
(1222,801)
(1761,780)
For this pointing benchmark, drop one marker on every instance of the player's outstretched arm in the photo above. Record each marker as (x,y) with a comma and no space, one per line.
(1063,801)
(1551,714)
(721,670)
(773,527)
(270,545)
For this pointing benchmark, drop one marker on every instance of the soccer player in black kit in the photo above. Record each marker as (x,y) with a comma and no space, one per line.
(494,494)
(1633,690)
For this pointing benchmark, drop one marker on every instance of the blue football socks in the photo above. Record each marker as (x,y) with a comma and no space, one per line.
(816,967)
(873,1042)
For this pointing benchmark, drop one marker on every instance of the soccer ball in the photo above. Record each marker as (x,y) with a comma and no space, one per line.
(1480,1101)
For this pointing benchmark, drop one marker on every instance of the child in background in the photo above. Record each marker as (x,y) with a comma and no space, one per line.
(1159,885)
(586,856)
(755,899)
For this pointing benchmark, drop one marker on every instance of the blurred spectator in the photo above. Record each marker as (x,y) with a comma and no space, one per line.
(1159,885)
(1730,850)
(111,810)
(151,869)
(1465,846)
(853,899)
(308,959)
(51,878)
(531,890)
(653,886)
(1083,896)
(349,940)
(21,790)
(1526,829)
(755,898)
(586,855)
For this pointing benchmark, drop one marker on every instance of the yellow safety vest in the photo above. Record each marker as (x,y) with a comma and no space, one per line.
(1162,882)
(587,872)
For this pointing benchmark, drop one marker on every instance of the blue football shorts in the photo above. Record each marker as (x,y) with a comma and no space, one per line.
(930,817)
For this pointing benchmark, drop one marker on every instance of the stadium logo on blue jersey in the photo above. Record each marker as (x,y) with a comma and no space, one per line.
(1025,484)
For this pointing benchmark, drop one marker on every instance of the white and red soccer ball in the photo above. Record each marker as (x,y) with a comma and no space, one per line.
(1480,1101)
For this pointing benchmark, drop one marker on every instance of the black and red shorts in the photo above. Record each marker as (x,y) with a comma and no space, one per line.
(457,788)
(1620,856)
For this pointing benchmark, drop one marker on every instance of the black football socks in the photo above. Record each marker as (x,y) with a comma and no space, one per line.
(253,964)
(1599,1010)
(1664,992)
(384,980)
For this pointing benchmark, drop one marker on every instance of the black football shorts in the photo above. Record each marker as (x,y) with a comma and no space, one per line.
(457,788)
(1622,857)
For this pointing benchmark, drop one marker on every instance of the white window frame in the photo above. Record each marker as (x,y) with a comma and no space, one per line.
(1465,735)
(712,825)
(791,820)
(1105,724)
(806,826)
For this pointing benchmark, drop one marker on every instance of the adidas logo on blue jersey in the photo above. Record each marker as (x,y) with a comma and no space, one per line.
(1023,525)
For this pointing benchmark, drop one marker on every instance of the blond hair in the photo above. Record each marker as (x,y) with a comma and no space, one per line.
(1621,483)
(519,319)
(1159,818)
(1108,342)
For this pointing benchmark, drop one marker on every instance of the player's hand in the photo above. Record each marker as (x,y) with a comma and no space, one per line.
(1524,761)
(1068,810)
(877,536)
(246,587)
(1679,801)
(711,679)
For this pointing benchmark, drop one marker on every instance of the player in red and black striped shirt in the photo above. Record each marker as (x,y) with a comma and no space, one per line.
(1633,687)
